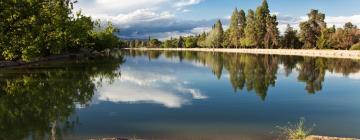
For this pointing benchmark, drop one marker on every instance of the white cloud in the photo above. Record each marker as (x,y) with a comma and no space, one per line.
(183,3)
(338,21)
(140,16)
(158,18)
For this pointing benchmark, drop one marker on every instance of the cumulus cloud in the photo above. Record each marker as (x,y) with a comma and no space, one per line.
(338,21)
(139,19)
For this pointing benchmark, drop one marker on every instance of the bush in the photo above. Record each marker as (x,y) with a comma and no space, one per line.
(296,132)
(355,46)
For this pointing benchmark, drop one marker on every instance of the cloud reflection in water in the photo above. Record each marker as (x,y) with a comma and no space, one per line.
(137,86)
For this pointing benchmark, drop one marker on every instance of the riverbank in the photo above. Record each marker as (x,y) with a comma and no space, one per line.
(80,55)
(298,52)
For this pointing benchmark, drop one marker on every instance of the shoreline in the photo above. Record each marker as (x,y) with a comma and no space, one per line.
(347,54)
(79,55)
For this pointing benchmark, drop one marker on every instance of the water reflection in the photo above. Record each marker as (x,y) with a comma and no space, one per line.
(259,72)
(36,102)
(149,86)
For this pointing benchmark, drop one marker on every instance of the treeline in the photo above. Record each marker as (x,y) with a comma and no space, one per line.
(259,29)
(38,28)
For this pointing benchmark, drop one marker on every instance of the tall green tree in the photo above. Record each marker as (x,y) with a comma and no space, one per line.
(290,39)
(271,38)
(250,30)
(310,30)
(234,33)
(215,37)
(242,23)
(261,15)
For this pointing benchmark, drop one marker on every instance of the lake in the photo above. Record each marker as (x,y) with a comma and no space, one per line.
(179,96)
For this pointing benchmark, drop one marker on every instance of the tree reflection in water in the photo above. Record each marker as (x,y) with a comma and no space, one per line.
(36,102)
(258,72)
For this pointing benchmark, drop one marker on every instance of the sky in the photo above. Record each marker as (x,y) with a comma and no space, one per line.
(162,19)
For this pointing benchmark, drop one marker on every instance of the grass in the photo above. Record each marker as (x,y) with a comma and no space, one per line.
(296,131)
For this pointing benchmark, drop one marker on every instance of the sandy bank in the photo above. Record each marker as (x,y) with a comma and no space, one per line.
(311,53)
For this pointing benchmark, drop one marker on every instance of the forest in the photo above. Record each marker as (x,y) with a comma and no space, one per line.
(31,29)
(259,29)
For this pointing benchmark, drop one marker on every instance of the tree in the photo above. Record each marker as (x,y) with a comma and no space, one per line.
(201,42)
(242,23)
(310,30)
(250,31)
(215,37)
(261,16)
(190,42)
(233,32)
(39,28)
(168,44)
(180,42)
(346,37)
(154,43)
(271,38)
(290,39)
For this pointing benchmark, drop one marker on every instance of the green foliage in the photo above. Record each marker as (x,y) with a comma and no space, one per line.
(38,28)
(355,46)
(234,34)
(290,39)
(346,37)
(154,43)
(310,31)
(215,37)
(190,42)
(261,15)
(250,31)
(271,38)
(297,131)
(323,41)
(201,42)
(168,44)
(104,38)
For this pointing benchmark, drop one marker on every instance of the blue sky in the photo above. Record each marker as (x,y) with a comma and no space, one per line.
(171,18)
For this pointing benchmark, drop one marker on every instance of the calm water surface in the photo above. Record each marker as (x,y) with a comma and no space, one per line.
(179,95)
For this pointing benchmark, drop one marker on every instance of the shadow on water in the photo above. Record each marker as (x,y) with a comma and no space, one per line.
(36,102)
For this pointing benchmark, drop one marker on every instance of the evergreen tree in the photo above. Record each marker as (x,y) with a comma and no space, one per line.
(242,23)
(215,38)
(271,38)
(310,31)
(234,33)
(250,30)
(290,39)
(262,12)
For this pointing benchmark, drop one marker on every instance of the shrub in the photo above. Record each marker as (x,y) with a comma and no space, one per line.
(296,132)
(355,46)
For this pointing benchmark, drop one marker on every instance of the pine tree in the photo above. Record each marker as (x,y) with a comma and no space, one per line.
(290,40)
(262,12)
(271,38)
(250,30)
(310,31)
(234,33)
(215,37)
(242,23)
